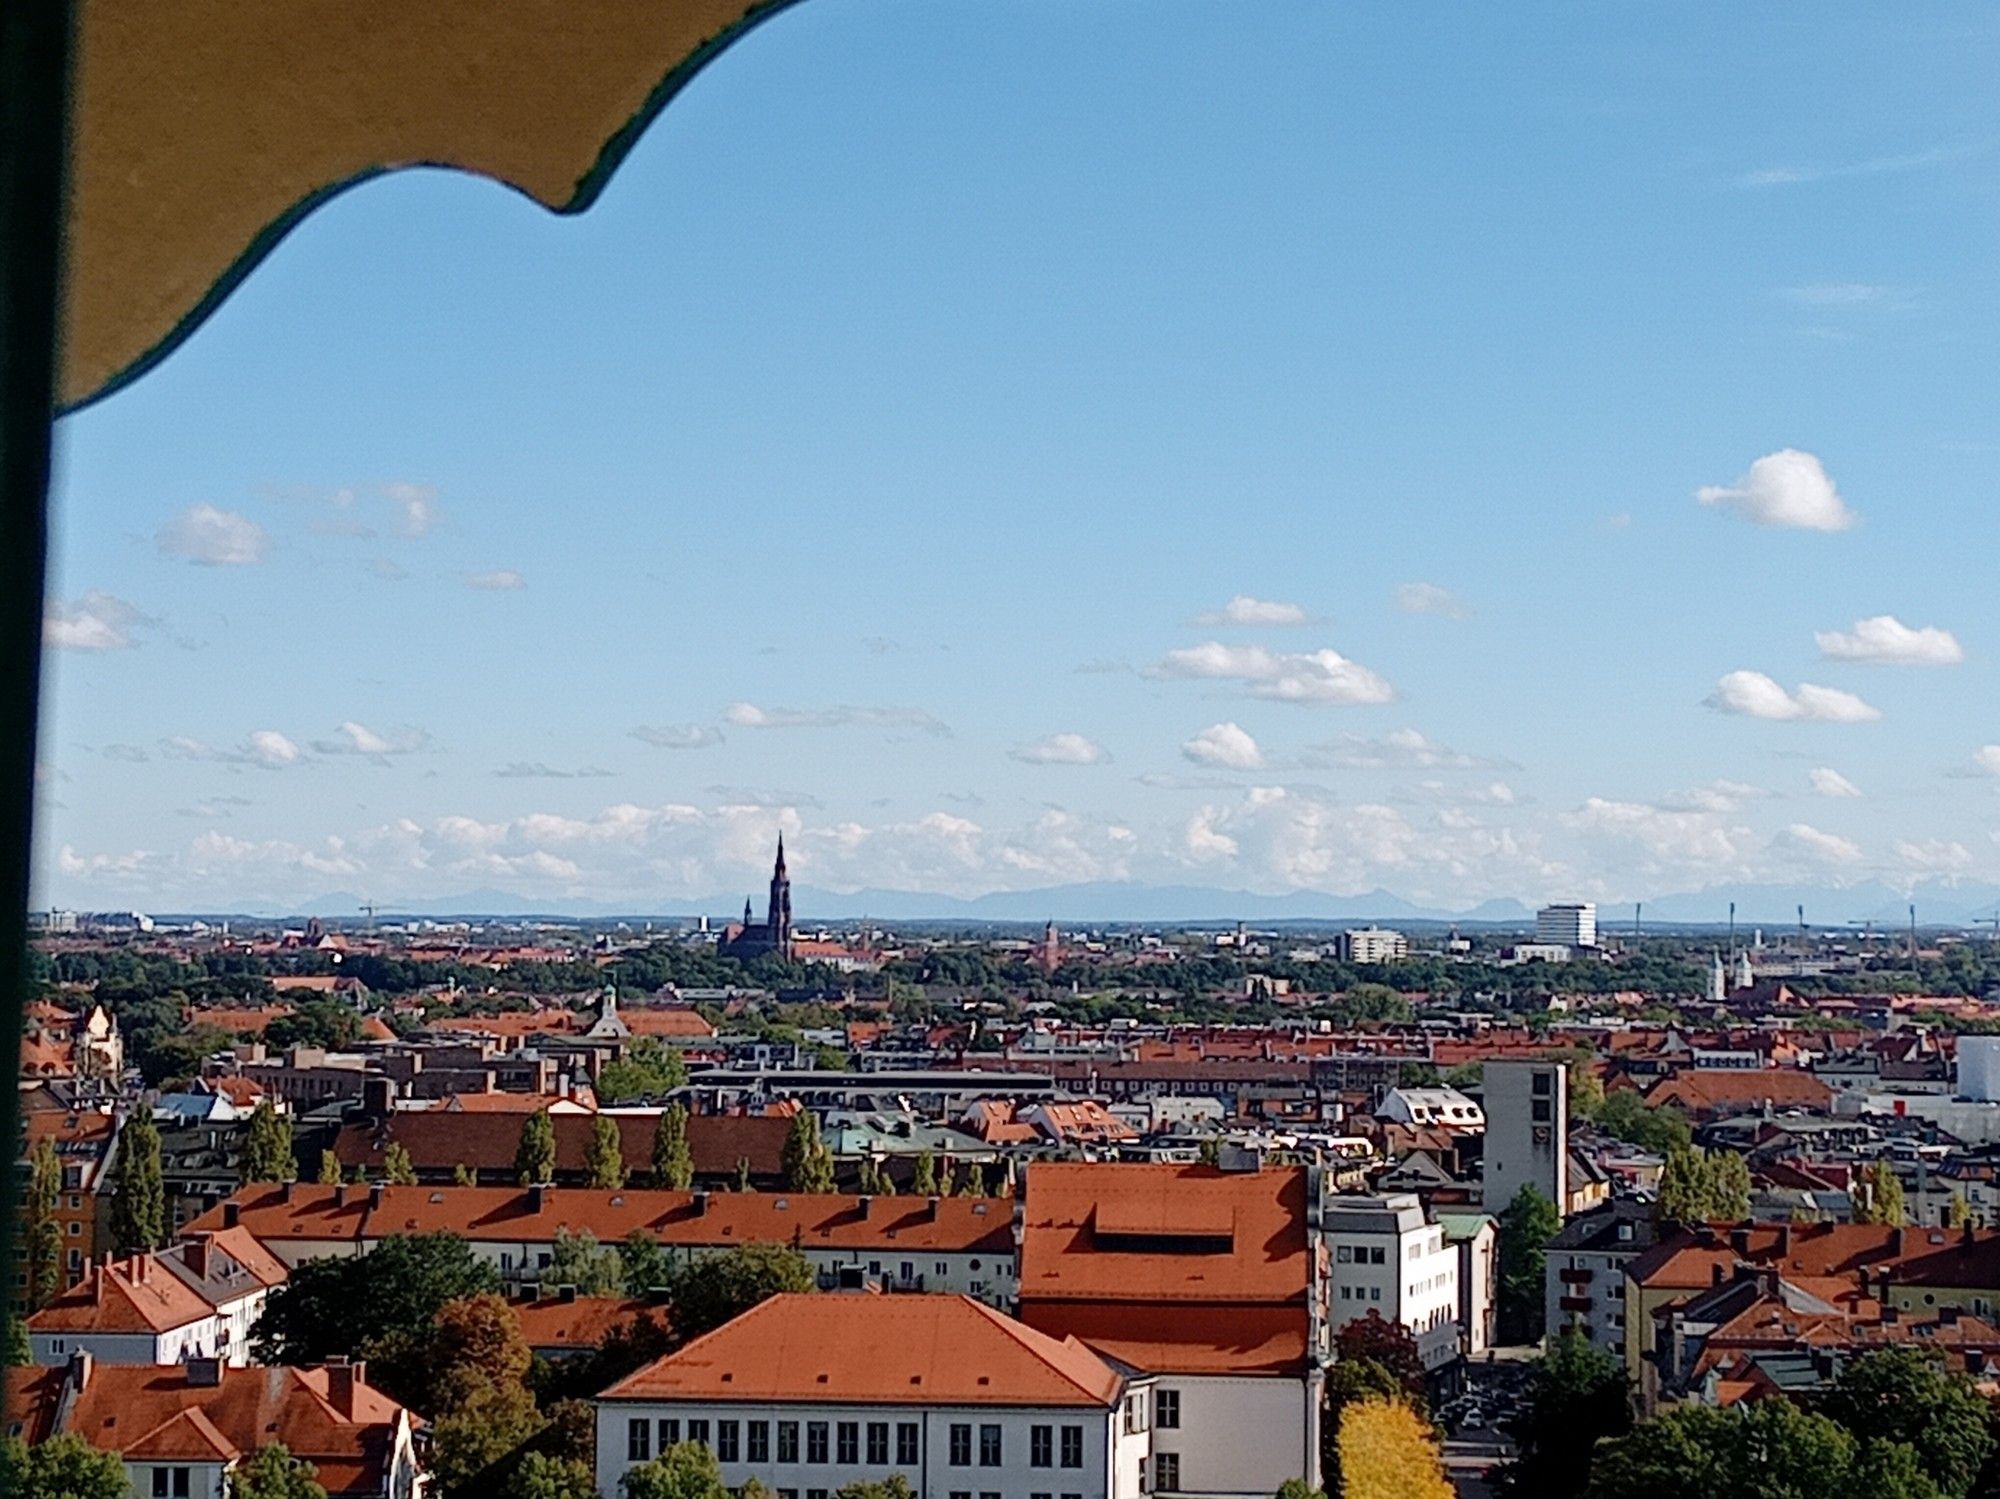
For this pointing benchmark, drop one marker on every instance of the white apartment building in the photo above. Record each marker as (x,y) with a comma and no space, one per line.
(808,1393)
(1567,925)
(1390,1260)
(1373,944)
(197,1299)
(1584,1274)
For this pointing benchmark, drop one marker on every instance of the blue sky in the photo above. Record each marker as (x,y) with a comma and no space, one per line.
(929,373)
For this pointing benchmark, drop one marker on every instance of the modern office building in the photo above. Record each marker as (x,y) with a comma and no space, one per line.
(1567,925)
(1527,1131)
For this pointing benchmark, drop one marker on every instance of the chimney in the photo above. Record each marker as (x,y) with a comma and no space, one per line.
(80,1366)
(341,1379)
(340,1195)
(1715,1275)
(285,1192)
(375,1195)
(1739,1240)
(194,1254)
(700,1204)
(204,1373)
(1897,1241)
(934,1210)
(1784,1240)
(232,1213)
(1947,1316)
(537,1196)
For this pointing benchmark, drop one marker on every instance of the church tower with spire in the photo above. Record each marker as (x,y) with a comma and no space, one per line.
(774,933)
(778,919)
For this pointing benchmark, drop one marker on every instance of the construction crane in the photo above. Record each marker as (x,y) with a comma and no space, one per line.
(369,912)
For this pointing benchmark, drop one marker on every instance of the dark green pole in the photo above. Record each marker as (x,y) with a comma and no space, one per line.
(34,79)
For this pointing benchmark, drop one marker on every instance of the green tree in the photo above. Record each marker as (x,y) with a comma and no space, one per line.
(397,1168)
(718,1288)
(1624,1116)
(329,1169)
(673,1162)
(1526,1226)
(1387,1344)
(1906,1394)
(579,1260)
(649,1069)
(645,1262)
(334,1307)
(743,1173)
(63,1467)
(807,1161)
(925,1183)
(474,1434)
(271,1472)
(538,1476)
(1698,1186)
(139,1199)
(463,1175)
(1298,1488)
(535,1156)
(1576,1395)
(604,1162)
(267,1148)
(19,1354)
(1769,1449)
(42,1234)
(895,1486)
(687,1470)
(1957,1211)
(1881,1197)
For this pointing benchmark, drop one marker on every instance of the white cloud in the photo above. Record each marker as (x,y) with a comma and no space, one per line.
(1940,856)
(1226,745)
(358,739)
(1803,841)
(95,622)
(840,716)
(1323,676)
(266,749)
(1663,839)
(418,506)
(1786,488)
(1885,640)
(1397,749)
(678,735)
(500,580)
(1061,749)
(1987,759)
(1755,695)
(212,537)
(1828,782)
(1719,796)
(274,749)
(1430,598)
(1873,166)
(1245,610)
(1844,294)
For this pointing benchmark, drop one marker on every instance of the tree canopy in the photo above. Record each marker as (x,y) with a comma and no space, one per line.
(1387,1452)
(535,1156)
(271,1472)
(1526,1226)
(267,1148)
(63,1467)
(336,1307)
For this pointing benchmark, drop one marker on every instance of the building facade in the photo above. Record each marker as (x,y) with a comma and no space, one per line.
(1390,1261)
(1527,1132)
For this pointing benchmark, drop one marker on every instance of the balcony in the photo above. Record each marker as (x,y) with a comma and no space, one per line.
(1576,1277)
(1576,1303)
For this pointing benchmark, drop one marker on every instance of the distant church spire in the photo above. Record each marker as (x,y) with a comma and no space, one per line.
(779,921)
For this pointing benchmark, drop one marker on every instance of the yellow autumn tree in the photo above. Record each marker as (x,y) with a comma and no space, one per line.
(1387,1452)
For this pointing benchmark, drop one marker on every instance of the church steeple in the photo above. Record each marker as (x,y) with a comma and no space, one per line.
(779,922)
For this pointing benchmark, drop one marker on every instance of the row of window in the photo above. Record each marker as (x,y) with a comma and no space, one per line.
(750,1441)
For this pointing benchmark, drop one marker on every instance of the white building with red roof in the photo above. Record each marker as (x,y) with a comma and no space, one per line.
(197,1299)
(808,1393)
(182,1430)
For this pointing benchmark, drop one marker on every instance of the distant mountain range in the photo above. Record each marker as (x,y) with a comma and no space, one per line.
(1938,904)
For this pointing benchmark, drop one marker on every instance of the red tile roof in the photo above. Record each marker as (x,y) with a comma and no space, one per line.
(1723,1090)
(579,1324)
(967,1225)
(337,1422)
(1170,1268)
(856,1349)
(126,1296)
(437,1141)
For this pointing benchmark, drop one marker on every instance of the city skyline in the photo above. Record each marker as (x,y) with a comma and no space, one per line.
(1544,478)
